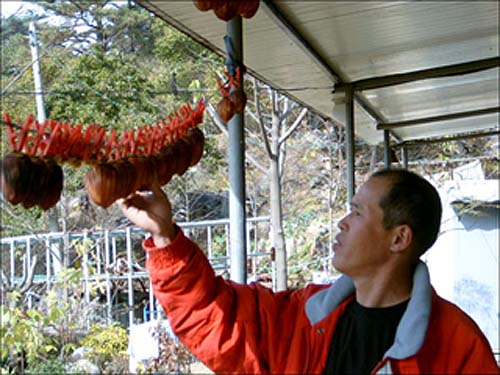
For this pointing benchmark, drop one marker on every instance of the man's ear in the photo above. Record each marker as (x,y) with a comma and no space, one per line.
(402,238)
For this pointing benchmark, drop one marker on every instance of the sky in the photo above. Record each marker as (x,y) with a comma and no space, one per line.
(8,8)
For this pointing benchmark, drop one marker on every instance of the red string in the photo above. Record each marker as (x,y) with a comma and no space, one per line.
(66,141)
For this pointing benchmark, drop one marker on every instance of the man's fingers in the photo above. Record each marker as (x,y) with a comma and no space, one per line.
(136,200)
(156,189)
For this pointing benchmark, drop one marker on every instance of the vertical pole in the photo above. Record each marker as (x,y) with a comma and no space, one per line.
(98,257)
(349,139)
(12,262)
(209,241)
(129,279)
(387,149)
(404,157)
(373,159)
(47,258)
(108,279)
(37,76)
(249,245)
(113,249)
(28,254)
(237,170)
(152,312)
(85,270)
(41,117)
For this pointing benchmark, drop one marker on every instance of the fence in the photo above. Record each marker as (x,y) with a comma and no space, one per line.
(114,260)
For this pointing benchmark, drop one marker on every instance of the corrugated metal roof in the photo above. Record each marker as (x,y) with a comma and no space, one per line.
(306,48)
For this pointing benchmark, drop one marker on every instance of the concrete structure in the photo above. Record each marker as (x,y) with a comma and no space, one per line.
(464,261)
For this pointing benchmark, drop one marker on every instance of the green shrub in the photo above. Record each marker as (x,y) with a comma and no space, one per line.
(107,343)
(23,341)
(52,366)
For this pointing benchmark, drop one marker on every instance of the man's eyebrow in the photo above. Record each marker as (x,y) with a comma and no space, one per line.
(355,205)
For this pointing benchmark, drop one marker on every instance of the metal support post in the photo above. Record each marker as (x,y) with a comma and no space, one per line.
(387,149)
(237,169)
(108,279)
(37,76)
(349,141)
(129,278)
(28,255)
(56,252)
(404,156)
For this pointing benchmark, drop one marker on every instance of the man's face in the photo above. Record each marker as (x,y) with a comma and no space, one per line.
(363,243)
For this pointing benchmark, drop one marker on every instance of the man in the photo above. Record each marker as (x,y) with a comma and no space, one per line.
(381,316)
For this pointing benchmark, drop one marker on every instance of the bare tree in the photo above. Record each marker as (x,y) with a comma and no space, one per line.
(25,284)
(275,130)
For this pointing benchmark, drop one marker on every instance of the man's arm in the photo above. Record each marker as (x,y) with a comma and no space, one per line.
(230,327)
(215,318)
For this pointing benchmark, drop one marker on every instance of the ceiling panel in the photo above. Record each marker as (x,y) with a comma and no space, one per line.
(443,128)
(359,40)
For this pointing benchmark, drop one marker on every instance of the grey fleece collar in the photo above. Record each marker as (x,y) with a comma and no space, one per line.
(412,328)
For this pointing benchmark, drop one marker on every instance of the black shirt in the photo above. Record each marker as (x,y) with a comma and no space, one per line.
(362,337)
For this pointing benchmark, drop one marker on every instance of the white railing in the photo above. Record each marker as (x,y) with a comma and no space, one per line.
(113,257)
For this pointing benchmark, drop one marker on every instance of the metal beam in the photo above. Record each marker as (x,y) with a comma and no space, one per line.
(276,15)
(363,102)
(443,71)
(447,139)
(426,120)
(335,76)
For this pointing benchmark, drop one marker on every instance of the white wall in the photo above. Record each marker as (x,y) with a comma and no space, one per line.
(463,263)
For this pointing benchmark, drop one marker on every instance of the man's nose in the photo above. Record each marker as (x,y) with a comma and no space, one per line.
(342,224)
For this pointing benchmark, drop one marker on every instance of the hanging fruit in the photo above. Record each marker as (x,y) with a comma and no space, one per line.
(38,179)
(225,109)
(239,100)
(16,168)
(196,139)
(227,9)
(100,182)
(30,180)
(54,186)
(233,99)
(146,169)
(120,163)
(203,5)
(165,161)
(248,8)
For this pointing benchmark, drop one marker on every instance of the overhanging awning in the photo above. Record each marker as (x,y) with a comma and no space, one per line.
(416,67)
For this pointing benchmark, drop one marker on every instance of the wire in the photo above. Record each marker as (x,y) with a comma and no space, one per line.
(147,118)
(134,92)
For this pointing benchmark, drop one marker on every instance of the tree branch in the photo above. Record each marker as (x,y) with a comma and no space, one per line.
(261,123)
(5,280)
(28,279)
(6,209)
(220,124)
(294,126)
(216,118)
(288,112)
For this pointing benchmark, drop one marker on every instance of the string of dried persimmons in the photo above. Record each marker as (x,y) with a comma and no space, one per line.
(121,162)
(233,95)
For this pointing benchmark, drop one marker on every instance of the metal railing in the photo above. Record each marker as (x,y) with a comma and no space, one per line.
(112,257)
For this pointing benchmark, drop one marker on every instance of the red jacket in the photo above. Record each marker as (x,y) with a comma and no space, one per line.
(237,328)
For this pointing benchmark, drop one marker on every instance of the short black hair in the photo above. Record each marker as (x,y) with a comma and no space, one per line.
(413,201)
